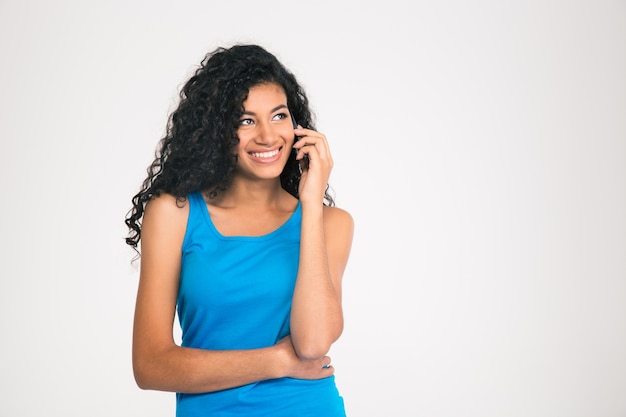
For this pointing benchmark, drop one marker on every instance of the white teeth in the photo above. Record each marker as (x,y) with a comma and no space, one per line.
(264,154)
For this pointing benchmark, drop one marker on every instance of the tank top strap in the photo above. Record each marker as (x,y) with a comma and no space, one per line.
(196,209)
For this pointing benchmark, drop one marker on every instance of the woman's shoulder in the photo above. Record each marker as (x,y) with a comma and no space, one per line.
(336,217)
(164,223)
(337,212)
(166,205)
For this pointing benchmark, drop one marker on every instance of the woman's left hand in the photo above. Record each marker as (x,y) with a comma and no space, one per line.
(316,162)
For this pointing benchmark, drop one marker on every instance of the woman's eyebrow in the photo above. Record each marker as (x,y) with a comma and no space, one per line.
(251,113)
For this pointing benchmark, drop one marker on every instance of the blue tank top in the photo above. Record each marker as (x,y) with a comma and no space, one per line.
(235,293)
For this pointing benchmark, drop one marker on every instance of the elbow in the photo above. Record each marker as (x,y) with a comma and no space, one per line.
(312,353)
(312,349)
(142,378)
(146,374)
(314,345)
(141,383)
(150,367)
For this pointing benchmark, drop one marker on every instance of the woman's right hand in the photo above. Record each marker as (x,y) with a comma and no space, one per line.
(313,146)
(296,367)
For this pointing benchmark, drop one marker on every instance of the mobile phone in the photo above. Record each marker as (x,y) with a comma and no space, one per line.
(304,162)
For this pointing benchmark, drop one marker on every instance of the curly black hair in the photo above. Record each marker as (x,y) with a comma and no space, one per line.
(197,151)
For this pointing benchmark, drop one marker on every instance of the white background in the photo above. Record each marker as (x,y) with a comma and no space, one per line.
(480,147)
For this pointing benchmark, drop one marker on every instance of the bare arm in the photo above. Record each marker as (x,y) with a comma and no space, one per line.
(159,363)
(325,243)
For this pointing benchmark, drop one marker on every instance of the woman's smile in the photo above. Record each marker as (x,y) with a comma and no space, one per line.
(267,156)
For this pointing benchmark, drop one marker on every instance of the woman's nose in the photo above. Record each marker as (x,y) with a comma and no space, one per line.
(266,134)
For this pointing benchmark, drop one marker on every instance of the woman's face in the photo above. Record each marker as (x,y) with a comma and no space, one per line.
(265,133)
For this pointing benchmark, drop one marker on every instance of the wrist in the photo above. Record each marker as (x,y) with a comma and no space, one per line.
(276,359)
(313,206)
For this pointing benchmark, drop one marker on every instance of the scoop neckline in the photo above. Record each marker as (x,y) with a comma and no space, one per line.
(267,236)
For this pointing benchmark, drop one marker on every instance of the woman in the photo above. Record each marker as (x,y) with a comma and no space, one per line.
(240,236)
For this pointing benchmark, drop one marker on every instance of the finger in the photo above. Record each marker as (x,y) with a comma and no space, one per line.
(328,370)
(314,145)
(315,157)
(309,150)
(311,138)
(326,362)
(307,141)
(317,145)
(318,138)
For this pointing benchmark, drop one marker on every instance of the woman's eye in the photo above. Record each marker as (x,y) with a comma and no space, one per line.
(280,116)
(245,122)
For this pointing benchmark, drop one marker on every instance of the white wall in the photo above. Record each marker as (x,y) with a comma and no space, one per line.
(480,146)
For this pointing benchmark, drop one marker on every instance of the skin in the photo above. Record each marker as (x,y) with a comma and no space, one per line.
(255,204)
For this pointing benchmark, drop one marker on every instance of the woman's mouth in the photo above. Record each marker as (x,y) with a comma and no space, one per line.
(265,155)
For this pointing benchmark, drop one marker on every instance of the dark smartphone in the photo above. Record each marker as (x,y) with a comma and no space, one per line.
(304,162)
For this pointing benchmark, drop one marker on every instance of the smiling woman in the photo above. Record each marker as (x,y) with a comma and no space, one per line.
(266,134)
(240,237)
